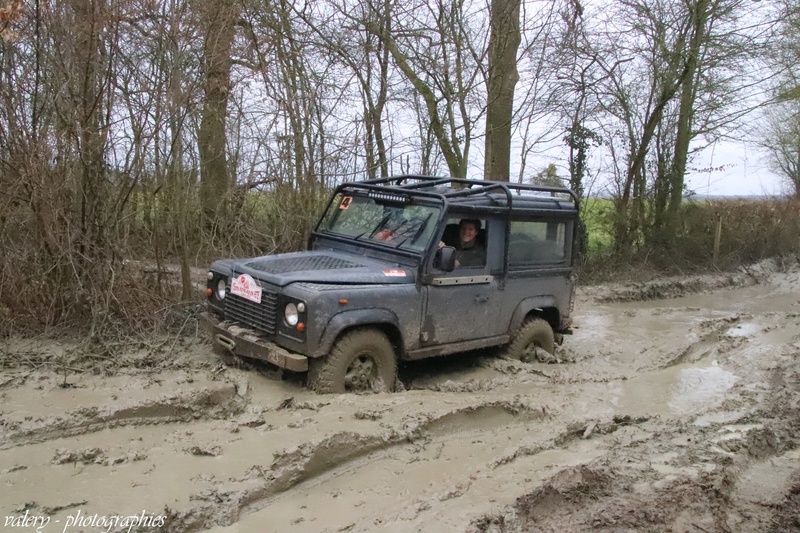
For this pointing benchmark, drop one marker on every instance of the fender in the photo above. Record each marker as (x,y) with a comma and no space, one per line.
(526,306)
(347,319)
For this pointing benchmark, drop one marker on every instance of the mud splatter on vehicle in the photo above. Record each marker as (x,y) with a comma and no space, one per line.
(405,268)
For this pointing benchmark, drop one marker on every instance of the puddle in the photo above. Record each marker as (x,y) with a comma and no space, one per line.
(677,390)
(597,326)
(637,321)
(747,329)
(698,388)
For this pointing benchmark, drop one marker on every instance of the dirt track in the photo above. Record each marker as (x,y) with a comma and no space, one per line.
(679,414)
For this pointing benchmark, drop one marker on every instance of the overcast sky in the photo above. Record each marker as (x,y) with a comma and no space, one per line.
(733,169)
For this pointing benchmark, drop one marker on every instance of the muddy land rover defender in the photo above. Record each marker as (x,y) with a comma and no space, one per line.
(383,281)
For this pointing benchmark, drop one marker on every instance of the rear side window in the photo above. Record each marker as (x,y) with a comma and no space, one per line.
(534,243)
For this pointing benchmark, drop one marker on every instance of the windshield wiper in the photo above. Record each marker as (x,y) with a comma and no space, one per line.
(421,229)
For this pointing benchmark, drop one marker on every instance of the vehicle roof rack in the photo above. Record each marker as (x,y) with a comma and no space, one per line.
(448,189)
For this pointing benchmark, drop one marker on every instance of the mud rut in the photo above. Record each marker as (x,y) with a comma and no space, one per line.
(679,414)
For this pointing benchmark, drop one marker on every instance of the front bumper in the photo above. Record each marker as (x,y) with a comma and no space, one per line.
(248,343)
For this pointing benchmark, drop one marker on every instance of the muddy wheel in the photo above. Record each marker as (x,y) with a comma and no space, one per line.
(535,334)
(360,361)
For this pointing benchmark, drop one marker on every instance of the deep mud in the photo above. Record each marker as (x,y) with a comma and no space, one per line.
(676,408)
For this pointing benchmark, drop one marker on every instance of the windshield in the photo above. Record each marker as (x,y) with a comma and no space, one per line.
(407,227)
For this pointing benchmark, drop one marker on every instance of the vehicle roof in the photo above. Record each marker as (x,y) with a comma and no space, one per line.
(480,196)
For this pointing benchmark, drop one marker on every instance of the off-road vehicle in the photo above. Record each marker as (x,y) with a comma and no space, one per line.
(381,281)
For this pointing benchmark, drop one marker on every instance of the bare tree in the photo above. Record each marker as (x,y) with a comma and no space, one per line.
(781,140)
(780,131)
(345,39)
(301,87)
(434,47)
(218,23)
(640,78)
(719,58)
(663,73)
(574,94)
(502,77)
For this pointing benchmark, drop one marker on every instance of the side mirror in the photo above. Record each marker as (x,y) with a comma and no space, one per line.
(445,259)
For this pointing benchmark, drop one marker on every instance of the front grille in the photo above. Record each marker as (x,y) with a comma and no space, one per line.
(262,317)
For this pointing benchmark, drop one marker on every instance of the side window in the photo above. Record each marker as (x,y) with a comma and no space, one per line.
(534,243)
(468,237)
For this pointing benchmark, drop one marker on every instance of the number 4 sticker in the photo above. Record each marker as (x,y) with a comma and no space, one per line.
(345,203)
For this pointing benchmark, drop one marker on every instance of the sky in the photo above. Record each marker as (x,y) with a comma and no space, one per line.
(731,168)
(727,168)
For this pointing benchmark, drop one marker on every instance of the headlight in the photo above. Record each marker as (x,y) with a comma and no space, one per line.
(221,289)
(291,315)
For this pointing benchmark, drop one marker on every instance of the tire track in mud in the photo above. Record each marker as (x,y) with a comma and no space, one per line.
(704,340)
(342,451)
(312,464)
(742,475)
(218,402)
(690,491)
(713,341)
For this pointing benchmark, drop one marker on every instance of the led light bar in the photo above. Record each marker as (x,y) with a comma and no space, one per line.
(390,197)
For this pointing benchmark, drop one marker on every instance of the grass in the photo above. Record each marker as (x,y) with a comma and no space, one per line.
(751,230)
(597,214)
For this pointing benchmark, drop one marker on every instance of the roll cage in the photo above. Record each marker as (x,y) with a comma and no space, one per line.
(469,196)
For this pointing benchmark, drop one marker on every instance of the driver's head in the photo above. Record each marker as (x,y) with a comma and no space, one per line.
(469,230)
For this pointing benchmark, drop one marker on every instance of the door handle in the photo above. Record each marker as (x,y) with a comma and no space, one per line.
(482,299)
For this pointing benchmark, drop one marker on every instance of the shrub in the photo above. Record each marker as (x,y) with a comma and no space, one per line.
(751,230)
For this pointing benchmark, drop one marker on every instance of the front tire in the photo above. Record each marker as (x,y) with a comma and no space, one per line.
(362,360)
(535,334)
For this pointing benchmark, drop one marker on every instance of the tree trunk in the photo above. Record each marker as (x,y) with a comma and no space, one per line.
(504,42)
(218,19)
(88,83)
(685,117)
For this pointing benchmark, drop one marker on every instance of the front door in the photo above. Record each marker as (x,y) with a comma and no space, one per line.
(461,308)
(463,305)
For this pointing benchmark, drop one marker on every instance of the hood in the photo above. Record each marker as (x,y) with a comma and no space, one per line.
(323,267)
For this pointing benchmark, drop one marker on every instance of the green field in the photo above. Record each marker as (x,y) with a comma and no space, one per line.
(596,214)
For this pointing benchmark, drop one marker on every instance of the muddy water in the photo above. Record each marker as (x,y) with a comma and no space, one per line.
(662,392)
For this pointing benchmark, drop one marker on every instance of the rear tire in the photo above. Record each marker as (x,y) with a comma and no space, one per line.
(535,334)
(362,360)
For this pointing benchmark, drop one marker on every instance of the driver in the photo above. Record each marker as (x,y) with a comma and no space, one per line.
(469,252)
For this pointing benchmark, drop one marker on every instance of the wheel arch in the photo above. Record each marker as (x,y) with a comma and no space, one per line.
(537,307)
(342,323)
